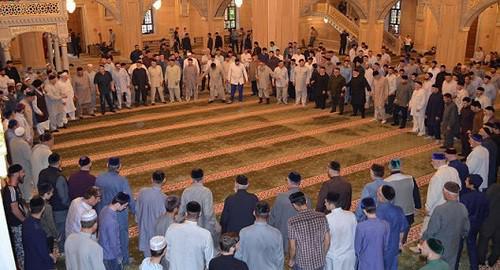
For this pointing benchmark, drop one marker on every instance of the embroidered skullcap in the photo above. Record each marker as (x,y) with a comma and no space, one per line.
(157,243)
(438,156)
(89,215)
(476,137)
(435,245)
(19,131)
(114,161)
(476,180)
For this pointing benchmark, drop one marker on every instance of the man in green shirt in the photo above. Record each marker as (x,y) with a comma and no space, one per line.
(433,249)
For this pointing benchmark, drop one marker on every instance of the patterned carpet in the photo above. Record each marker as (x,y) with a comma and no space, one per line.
(264,142)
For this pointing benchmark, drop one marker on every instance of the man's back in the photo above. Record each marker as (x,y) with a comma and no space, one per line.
(110,184)
(339,185)
(82,252)
(238,211)
(225,262)
(79,182)
(202,195)
(189,247)
(372,236)
(404,187)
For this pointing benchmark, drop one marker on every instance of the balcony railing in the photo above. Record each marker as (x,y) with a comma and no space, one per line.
(31,8)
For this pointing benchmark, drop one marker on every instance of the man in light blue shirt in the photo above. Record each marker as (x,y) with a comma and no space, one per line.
(370,189)
(261,244)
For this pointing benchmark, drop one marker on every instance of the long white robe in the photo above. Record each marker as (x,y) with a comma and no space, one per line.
(417,103)
(341,254)
(478,163)
(435,197)
(67,89)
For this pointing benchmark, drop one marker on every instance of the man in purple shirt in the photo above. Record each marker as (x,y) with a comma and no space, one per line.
(372,237)
(81,181)
(109,231)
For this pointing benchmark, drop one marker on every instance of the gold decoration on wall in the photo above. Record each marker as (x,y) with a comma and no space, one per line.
(23,8)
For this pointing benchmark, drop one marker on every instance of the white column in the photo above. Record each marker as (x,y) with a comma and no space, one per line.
(57,54)
(50,49)
(64,53)
(5,44)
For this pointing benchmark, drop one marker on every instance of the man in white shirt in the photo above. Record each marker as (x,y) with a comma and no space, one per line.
(490,89)
(189,247)
(246,58)
(478,159)
(482,98)
(156,81)
(280,80)
(237,77)
(449,85)
(385,58)
(342,223)
(434,69)
(302,75)
(172,80)
(79,206)
(122,85)
(195,62)
(443,174)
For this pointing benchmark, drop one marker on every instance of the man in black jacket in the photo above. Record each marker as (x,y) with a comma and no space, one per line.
(434,113)
(320,87)
(210,42)
(358,86)
(218,41)
(238,207)
(140,82)
(466,123)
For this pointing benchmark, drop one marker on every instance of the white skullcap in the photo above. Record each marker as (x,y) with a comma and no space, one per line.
(89,215)
(157,243)
(188,53)
(90,65)
(19,131)
(64,74)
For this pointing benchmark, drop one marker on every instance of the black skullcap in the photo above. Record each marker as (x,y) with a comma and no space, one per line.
(476,180)
(36,202)
(451,151)
(158,176)
(388,192)
(54,158)
(294,177)
(114,161)
(367,203)
(242,180)
(297,196)
(435,245)
(37,83)
(197,173)
(12,123)
(332,197)
(15,168)
(335,165)
(84,161)
(193,207)
(452,187)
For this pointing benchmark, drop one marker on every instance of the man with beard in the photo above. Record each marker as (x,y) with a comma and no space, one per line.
(336,86)
(434,114)
(358,85)
(320,88)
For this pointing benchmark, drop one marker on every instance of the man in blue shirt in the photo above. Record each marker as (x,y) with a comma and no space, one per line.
(110,184)
(36,252)
(109,231)
(370,189)
(395,216)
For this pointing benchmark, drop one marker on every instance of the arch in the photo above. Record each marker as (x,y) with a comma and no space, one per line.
(221,7)
(111,8)
(199,5)
(356,5)
(386,7)
(471,14)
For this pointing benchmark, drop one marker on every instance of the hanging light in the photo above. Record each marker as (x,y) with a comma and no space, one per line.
(157,4)
(70,6)
(238,3)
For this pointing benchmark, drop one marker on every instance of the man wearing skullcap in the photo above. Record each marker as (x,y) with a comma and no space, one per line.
(150,206)
(372,237)
(226,259)
(40,155)
(434,113)
(283,210)
(308,235)
(68,93)
(54,98)
(172,204)
(15,212)
(342,224)
(78,206)
(111,183)
(449,223)
(27,101)
(82,86)
(104,85)
(478,160)
(443,174)
(487,131)
(337,184)
(90,73)
(462,169)
(81,250)
(398,224)
(109,231)
(466,124)
(189,246)
(20,153)
(197,192)
(370,189)
(79,182)
(407,192)
(157,247)
(23,122)
(238,207)
(261,245)
(477,206)
(449,124)
(432,249)
(490,231)
(36,253)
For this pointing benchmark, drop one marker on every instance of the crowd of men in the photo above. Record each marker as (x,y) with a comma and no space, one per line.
(85,218)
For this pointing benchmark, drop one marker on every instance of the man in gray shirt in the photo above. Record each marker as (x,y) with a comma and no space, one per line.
(261,244)
(283,210)
(403,95)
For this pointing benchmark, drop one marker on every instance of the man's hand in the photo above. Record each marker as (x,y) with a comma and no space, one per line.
(53,256)
(291,262)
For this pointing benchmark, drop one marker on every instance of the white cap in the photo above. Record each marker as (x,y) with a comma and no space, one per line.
(188,53)
(157,243)
(64,74)
(90,65)
(19,131)
(89,215)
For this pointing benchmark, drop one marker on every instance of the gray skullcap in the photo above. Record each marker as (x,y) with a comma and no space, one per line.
(89,215)
(157,243)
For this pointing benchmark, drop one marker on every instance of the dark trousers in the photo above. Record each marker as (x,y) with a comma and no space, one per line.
(389,109)
(141,94)
(204,82)
(291,90)
(235,46)
(360,108)
(320,100)
(448,137)
(464,138)
(255,90)
(485,235)
(50,243)
(238,87)
(434,128)
(404,115)
(338,100)
(471,249)
(106,98)
(411,220)
(112,265)
(342,48)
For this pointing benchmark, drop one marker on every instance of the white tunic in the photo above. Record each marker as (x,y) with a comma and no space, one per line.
(39,160)
(435,197)
(478,163)
(237,74)
(82,252)
(341,254)
(301,77)
(281,77)
(450,88)
(67,90)
(418,102)
(155,76)
(76,209)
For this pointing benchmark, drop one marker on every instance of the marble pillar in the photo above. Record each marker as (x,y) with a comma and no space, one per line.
(372,33)
(276,21)
(31,45)
(57,54)
(5,46)
(64,53)
(50,49)
(132,14)
(452,39)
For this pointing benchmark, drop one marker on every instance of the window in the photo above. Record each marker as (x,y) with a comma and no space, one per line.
(395,18)
(147,22)
(230,16)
